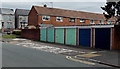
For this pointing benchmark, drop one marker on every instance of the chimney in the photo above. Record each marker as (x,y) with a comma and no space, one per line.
(45,5)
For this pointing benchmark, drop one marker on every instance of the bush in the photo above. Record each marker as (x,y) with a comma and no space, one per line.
(17,32)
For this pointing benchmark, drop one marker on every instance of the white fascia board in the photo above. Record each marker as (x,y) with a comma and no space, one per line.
(95,26)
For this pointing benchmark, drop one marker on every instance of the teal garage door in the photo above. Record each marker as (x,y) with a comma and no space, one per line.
(59,36)
(43,34)
(50,35)
(71,36)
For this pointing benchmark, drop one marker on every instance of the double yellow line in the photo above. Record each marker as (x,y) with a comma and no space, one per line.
(85,62)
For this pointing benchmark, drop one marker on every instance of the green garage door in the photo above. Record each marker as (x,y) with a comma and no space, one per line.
(50,35)
(43,34)
(71,36)
(59,36)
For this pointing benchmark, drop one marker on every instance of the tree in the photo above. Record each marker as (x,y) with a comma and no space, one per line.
(112,9)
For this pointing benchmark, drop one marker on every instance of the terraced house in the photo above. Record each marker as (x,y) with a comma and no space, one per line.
(61,17)
(87,29)
(21,18)
(7,18)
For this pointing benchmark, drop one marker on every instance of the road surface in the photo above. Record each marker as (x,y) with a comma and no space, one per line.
(19,56)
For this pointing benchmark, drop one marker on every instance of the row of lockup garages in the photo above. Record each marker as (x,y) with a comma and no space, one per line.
(100,37)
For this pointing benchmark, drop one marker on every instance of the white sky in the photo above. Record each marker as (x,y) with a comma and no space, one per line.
(53,0)
(79,5)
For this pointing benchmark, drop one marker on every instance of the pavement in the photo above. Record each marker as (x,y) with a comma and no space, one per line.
(110,58)
(104,57)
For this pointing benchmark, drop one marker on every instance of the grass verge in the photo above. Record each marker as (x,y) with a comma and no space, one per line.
(10,36)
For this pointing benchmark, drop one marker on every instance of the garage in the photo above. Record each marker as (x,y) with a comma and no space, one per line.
(102,38)
(59,38)
(50,35)
(71,36)
(43,34)
(85,37)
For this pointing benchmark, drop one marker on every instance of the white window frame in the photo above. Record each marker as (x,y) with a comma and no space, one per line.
(82,20)
(93,22)
(71,21)
(101,22)
(45,17)
(61,19)
(9,25)
(109,22)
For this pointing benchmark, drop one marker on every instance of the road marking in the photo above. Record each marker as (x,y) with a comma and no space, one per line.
(13,42)
(93,52)
(85,62)
(94,60)
(88,55)
(47,48)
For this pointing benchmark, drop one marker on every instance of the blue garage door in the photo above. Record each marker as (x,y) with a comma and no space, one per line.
(102,38)
(85,37)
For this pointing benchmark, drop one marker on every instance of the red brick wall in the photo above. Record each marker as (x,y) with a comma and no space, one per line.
(65,21)
(116,38)
(31,34)
(32,17)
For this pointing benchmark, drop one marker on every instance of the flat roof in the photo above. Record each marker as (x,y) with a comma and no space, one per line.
(83,26)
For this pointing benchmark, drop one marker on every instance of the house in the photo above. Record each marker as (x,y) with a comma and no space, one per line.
(7,18)
(60,17)
(0,21)
(21,18)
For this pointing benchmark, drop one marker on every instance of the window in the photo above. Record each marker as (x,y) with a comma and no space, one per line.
(109,22)
(92,21)
(112,22)
(23,25)
(46,18)
(72,20)
(2,24)
(82,20)
(9,24)
(59,19)
(101,22)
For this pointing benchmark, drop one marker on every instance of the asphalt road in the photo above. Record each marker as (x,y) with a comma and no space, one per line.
(19,56)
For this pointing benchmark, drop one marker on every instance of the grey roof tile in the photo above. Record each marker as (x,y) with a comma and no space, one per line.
(6,11)
(22,12)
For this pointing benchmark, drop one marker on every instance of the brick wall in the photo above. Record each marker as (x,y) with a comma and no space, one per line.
(32,17)
(64,23)
(117,37)
(31,34)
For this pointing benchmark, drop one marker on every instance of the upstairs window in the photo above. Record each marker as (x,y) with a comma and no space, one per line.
(112,22)
(82,20)
(92,21)
(109,22)
(9,25)
(101,22)
(72,20)
(46,18)
(2,24)
(59,19)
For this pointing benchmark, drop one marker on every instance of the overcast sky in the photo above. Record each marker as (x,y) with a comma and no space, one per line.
(82,5)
